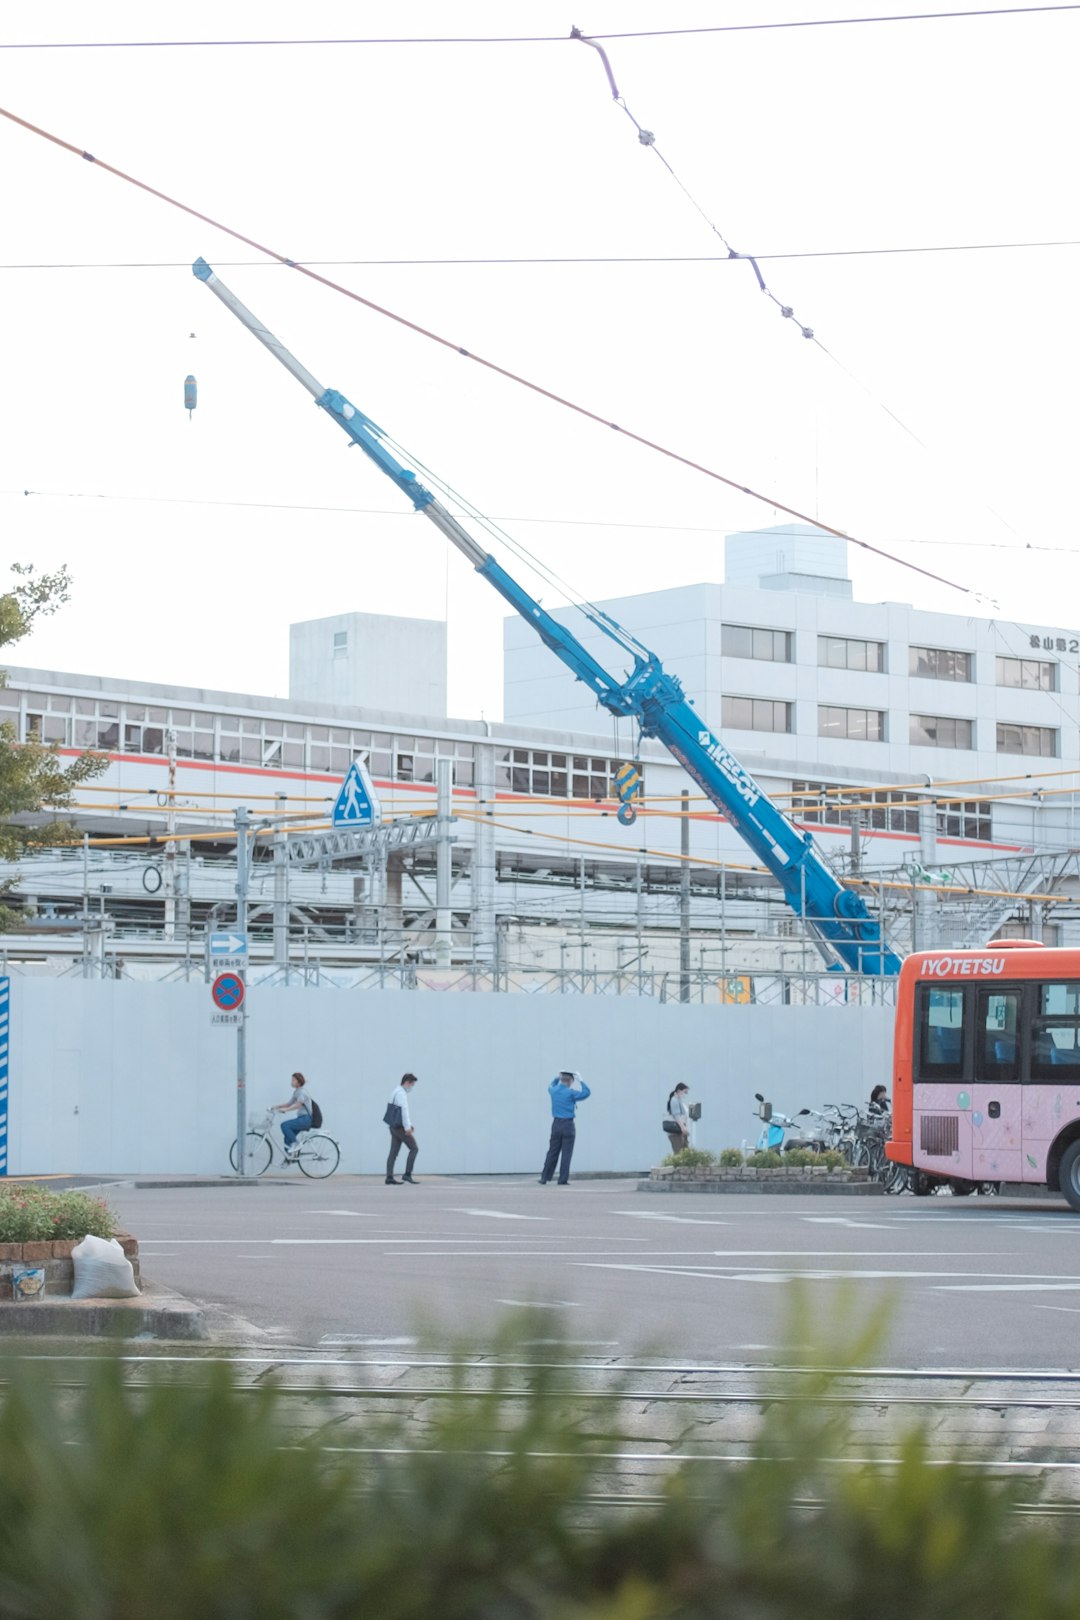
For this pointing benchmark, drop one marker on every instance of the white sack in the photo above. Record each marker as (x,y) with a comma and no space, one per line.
(102,1270)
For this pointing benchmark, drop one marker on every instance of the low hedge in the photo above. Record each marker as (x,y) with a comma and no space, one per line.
(203,1498)
(32,1214)
(690,1159)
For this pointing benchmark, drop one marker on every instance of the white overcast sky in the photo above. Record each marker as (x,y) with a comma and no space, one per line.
(194,544)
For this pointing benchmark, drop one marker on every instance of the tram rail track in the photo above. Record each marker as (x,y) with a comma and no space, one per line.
(638,1419)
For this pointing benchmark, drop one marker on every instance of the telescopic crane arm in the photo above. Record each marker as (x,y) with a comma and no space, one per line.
(836,916)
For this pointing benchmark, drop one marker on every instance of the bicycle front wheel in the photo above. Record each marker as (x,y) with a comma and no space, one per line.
(257,1154)
(319,1157)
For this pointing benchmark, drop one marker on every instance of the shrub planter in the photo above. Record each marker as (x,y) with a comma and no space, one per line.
(57,1261)
(743,1179)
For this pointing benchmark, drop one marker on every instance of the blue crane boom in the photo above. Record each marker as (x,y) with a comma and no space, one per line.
(836,916)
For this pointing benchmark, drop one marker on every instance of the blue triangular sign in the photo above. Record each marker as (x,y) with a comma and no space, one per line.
(357,803)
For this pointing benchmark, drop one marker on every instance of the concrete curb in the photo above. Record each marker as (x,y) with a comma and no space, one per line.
(218,1181)
(815,1188)
(157,1313)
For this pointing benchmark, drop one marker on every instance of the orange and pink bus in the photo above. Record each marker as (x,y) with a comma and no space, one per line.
(986,1067)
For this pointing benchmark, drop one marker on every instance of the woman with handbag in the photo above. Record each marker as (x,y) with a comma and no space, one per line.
(399,1119)
(677,1119)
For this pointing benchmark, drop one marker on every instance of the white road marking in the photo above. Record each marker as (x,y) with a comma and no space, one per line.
(543,1305)
(680,1220)
(604,1343)
(360,1242)
(501,1215)
(820,1274)
(1011,1288)
(362,1214)
(713,1274)
(845,1220)
(360,1338)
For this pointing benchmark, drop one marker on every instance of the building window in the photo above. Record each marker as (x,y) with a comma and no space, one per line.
(838,652)
(1030,674)
(744,641)
(1040,740)
(755,714)
(886,810)
(551,775)
(970,820)
(939,664)
(861,725)
(882,810)
(940,731)
(341,644)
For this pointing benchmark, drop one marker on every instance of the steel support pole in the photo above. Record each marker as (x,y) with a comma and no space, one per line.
(684,898)
(242,819)
(443,915)
(581,870)
(281,889)
(169,862)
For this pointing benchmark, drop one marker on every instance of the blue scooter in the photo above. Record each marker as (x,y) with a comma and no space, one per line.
(775,1126)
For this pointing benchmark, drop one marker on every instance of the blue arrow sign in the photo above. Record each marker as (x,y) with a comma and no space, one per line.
(228,944)
(357,803)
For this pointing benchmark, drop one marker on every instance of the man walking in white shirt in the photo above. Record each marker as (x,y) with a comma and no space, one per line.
(401,1132)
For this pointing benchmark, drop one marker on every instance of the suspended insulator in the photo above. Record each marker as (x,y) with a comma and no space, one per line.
(191,394)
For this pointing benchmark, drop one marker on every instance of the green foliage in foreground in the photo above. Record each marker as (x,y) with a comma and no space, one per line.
(200,1500)
(691,1159)
(730,1159)
(32,1214)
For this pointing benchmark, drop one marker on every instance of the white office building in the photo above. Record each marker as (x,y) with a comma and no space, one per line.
(932,757)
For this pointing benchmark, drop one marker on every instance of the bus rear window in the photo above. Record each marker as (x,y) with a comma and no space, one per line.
(941,1034)
(1055,1035)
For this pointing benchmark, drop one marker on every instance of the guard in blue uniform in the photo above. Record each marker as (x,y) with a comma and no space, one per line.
(565,1091)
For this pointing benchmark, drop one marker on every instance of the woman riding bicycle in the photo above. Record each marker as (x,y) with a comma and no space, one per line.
(302,1104)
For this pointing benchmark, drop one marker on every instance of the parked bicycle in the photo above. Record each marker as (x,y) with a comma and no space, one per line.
(317,1154)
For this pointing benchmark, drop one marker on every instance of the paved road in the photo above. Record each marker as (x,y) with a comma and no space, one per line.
(975,1284)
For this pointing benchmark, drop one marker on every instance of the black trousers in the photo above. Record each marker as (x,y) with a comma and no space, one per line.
(563,1134)
(398,1140)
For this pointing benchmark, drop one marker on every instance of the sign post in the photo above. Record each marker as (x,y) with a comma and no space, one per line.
(241,973)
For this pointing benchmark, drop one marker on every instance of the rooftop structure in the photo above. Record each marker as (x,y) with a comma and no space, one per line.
(370,661)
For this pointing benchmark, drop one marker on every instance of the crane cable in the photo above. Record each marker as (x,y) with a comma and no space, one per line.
(489,365)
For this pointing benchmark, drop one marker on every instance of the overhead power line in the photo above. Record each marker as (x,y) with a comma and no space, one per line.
(497,261)
(529,39)
(490,365)
(647,139)
(1018,548)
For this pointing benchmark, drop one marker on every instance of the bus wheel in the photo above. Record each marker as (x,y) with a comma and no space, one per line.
(920,1184)
(962,1189)
(1069,1174)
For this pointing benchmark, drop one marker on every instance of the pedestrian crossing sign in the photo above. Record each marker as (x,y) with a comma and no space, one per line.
(357,803)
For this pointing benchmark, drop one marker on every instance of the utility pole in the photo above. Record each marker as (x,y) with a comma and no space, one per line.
(684,898)
(281,886)
(170,841)
(242,822)
(444,920)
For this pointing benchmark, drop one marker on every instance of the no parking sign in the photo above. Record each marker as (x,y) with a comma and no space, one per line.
(227,992)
